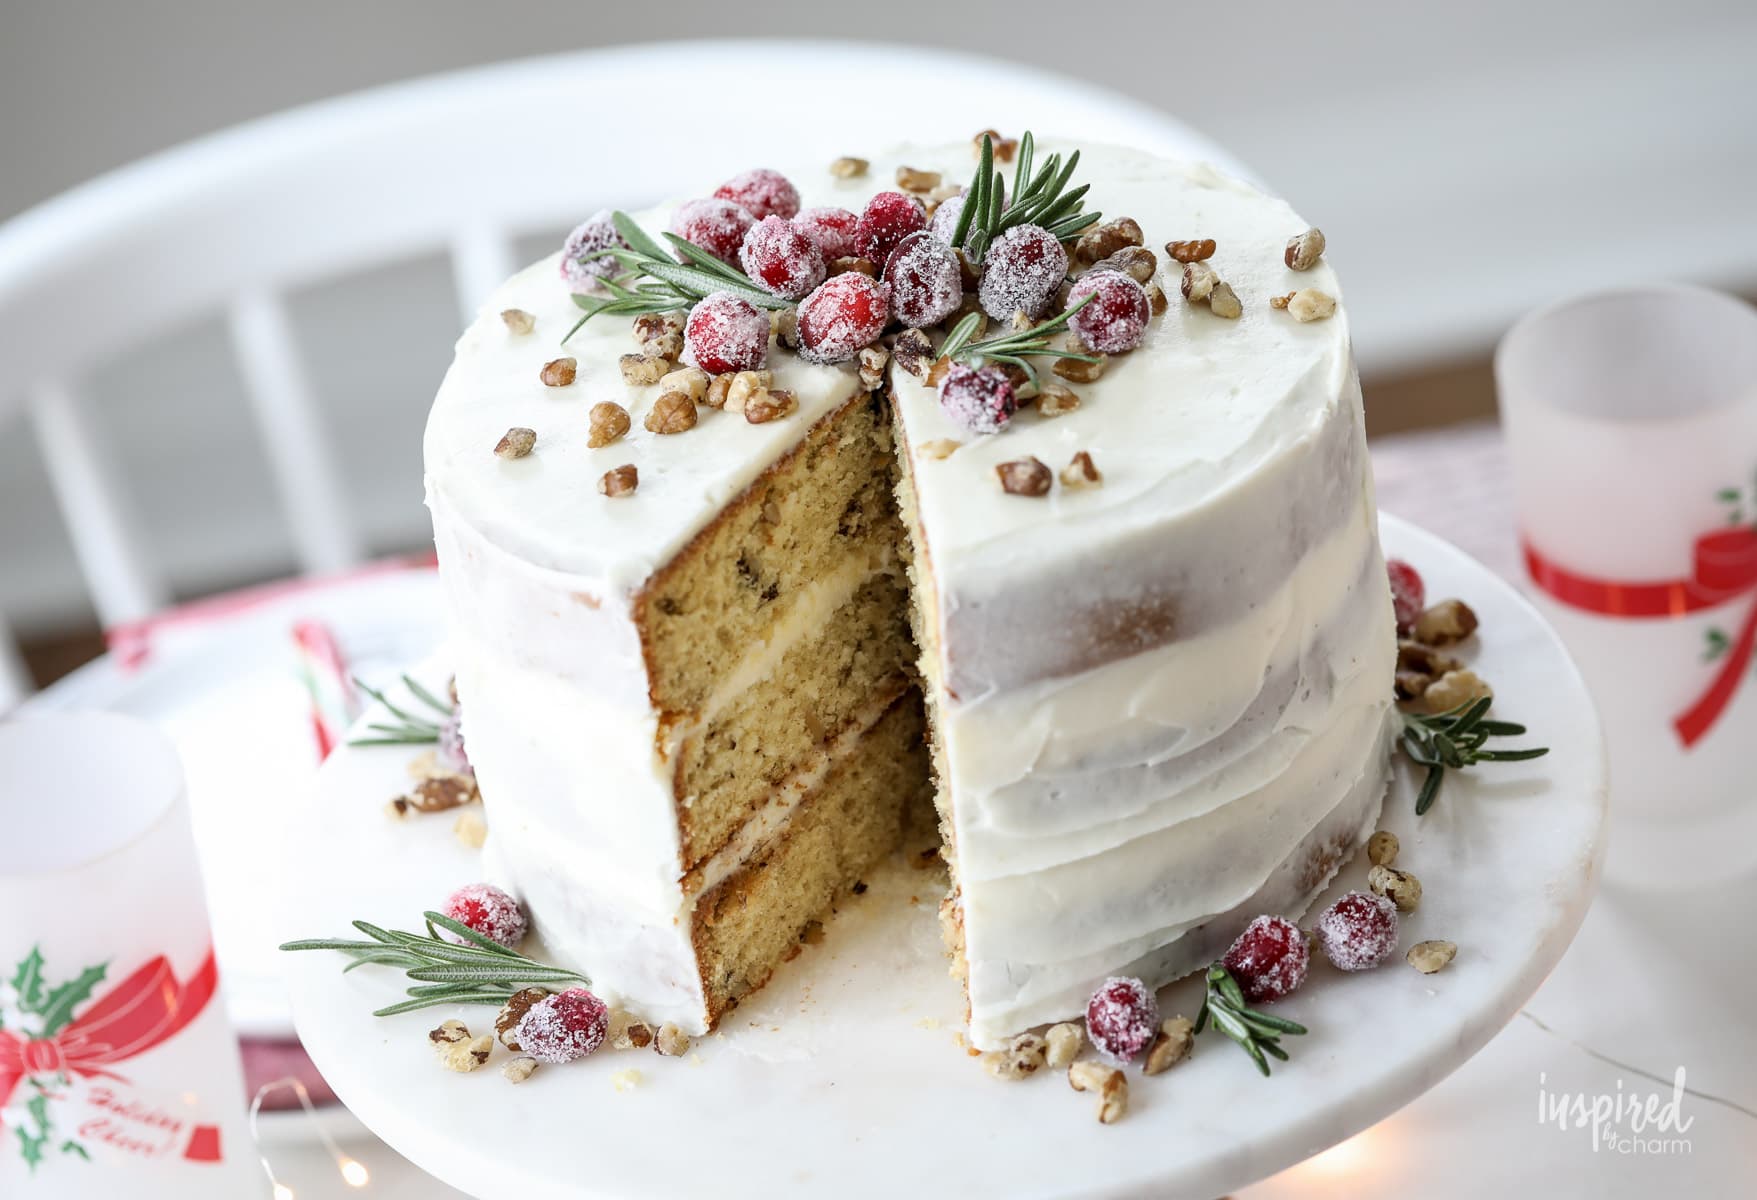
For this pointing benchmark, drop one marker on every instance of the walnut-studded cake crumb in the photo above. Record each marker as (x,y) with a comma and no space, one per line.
(1081,472)
(512,1012)
(470,829)
(1004,147)
(872,361)
(671,1041)
(849,167)
(1455,688)
(519,1069)
(1022,1058)
(1444,623)
(620,481)
(1400,887)
(1055,399)
(1382,848)
(769,404)
(558,372)
(938,448)
(691,381)
(1062,1044)
(1304,250)
(672,412)
(1108,1082)
(518,321)
(1024,477)
(913,351)
(606,422)
(1428,957)
(1105,239)
(1193,250)
(1171,1045)
(515,442)
(639,370)
(1076,370)
(1224,302)
(1199,281)
(912,179)
(1309,304)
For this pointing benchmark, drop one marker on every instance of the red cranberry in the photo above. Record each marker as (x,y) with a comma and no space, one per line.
(726,333)
(844,315)
(560,1028)
(1121,1019)
(489,911)
(782,259)
(1269,959)
(981,399)
(1021,271)
(1116,319)
(761,193)
(889,218)
(1409,595)
(596,232)
(925,283)
(1358,931)
(834,230)
(717,226)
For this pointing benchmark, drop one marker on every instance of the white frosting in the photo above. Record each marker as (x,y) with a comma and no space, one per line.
(1161,701)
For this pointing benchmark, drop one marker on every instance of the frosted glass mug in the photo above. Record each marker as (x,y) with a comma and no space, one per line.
(119,1075)
(1631,422)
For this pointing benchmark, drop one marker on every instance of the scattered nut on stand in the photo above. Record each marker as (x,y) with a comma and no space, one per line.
(1382,848)
(1023,1057)
(1400,887)
(1428,957)
(1063,1044)
(1110,1084)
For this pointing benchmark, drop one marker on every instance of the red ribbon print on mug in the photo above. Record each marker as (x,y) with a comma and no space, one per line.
(1724,567)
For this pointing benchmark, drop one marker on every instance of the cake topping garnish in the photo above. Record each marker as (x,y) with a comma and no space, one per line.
(457,1050)
(1040,199)
(1359,931)
(1108,1082)
(769,404)
(1121,1018)
(1304,250)
(640,370)
(518,321)
(1021,271)
(835,230)
(672,412)
(1137,262)
(650,281)
(490,912)
(1456,737)
(726,332)
(716,226)
(1015,348)
(782,258)
(608,421)
(849,167)
(1023,1057)
(619,481)
(512,1012)
(1258,1033)
(1001,148)
(910,179)
(1024,477)
(762,193)
(1269,959)
(1080,368)
(981,399)
(872,362)
(517,1070)
(515,442)
(1062,1044)
(854,264)
(946,214)
(924,279)
(1116,320)
(558,372)
(1224,302)
(938,449)
(741,386)
(582,267)
(1199,281)
(888,218)
(843,315)
(1197,250)
(1428,957)
(1449,621)
(1382,848)
(561,1028)
(686,381)
(1309,304)
(671,1041)
(1408,593)
(1171,1045)
(1055,399)
(1400,887)
(1103,240)
(1081,471)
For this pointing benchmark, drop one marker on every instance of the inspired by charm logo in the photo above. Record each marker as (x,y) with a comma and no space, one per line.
(1620,1122)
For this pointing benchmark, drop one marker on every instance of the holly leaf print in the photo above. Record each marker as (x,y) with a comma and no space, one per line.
(58,1007)
(28,982)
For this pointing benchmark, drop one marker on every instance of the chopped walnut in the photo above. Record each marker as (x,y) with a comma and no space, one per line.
(518,321)
(638,370)
(1020,321)
(1022,1058)
(448,1033)
(1081,472)
(1199,281)
(1446,622)
(1197,250)
(1156,301)
(671,1041)
(1024,477)
(620,481)
(512,1012)
(1075,370)
(1055,399)
(437,793)
(872,360)
(1304,250)
(1171,1045)
(1455,688)
(936,374)
(558,372)
(628,1032)
(1108,1082)
(672,412)
(1382,848)
(1428,957)
(1400,887)
(1063,1042)
(470,829)
(938,448)
(515,442)
(719,387)
(519,1069)
(1280,301)
(457,1050)
(912,180)
(1103,240)
(626,1081)
(849,167)
(649,327)
(1223,302)
(784,324)
(1419,656)
(913,351)
(1137,262)
(1004,147)
(853,262)
(744,385)
(607,422)
(1309,304)
(769,404)
(691,381)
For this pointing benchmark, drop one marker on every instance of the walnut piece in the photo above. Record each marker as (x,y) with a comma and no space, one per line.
(518,321)
(938,448)
(1022,1058)
(1063,1043)
(912,180)
(512,1012)
(1024,477)
(1382,848)
(1137,262)
(1400,887)
(1004,147)
(1444,623)
(519,1069)
(605,423)
(515,442)
(719,387)
(913,351)
(853,262)
(1199,281)
(1054,399)
(1309,304)
(1156,301)
(849,167)
(558,372)
(1108,1082)
(872,361)
(769,404)
(1081,472)
(1223,302)
(620,481)
(672,412)
(470,829)
(1198,250)
(437,793)
(1103,240)
(649,327)
(457,1050)
(638,370)
(671,1041)
(691,381)
(1171,1045)
(1280,301)
(1075,370)
(784,324)
(1304,250)
(1428,957)
(1455,688)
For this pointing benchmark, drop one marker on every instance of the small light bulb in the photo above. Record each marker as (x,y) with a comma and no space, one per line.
(355,1173)
(283,1192)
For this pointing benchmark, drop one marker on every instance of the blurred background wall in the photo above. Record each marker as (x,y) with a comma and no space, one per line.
(1468,163)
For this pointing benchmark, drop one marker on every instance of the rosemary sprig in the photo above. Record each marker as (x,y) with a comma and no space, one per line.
(409,729)
(1013,347)
(1042,199)
(1455,738)
(481,972)
(1256,1032)
(653,280)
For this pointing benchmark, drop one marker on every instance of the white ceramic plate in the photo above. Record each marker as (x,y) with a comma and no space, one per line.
(845,1075)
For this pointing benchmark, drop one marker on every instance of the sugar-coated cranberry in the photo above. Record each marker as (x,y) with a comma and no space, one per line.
(1021,271)
(1115,320)
(452,754)
(1121,1019)
(835,230)
(1358,931)
(726,333)
(981,399)
(781,259)
(1409,595)
(717,226)
(924,281)
(945,217)
(596,232)
(761,193)
(1269,959)
(560,1028)
(489,911)
(888,219)
(843,316)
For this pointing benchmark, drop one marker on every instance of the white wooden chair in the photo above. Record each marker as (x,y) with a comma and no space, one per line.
(462,163)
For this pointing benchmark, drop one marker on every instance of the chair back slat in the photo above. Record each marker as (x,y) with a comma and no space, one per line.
(305,473)
(481,259)
(88,486)
(15,679)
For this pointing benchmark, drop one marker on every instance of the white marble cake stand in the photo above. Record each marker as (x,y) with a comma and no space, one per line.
(845,1075)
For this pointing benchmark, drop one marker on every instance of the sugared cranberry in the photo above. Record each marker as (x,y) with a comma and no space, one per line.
(761,193)
(726,333)
(924,281)
(889,218)
(1269,959)
(594,233)
(1021,271)
(981,399)
(451,745)
(560,1028)
(489,911)
(717,226)
(1409,595)
(1358,931)
(844,315)
(945,217)
(1115,320)
(833,229)
(782,259)
(1121,1019)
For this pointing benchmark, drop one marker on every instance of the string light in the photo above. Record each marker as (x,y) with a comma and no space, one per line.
(353,1171)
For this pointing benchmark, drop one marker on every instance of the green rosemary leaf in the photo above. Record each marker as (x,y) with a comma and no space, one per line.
(404,731)
(1500,728)
(441,921)
(707,262)
(1512,755)
(466,973)
(1270,1046)
(960,336)
(411,740)
(1279,1024)
(345,946)
(1430,789)
(384,701)
(375,933)
(391,1010)
(443,707)
(639,241)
